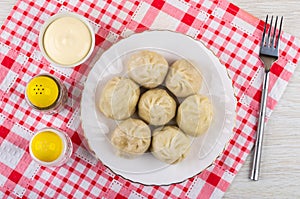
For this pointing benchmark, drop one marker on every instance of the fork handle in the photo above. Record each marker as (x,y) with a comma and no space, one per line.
(260,129)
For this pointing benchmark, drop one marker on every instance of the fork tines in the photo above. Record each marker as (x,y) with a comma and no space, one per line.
(271,40)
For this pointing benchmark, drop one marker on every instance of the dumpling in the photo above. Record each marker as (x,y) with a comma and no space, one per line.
(147,68)
(131,138)
(119,98)
(170,144)
(183,79)
(194,115)
(156,107)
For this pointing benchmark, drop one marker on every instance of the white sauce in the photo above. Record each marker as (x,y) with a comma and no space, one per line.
(67,40)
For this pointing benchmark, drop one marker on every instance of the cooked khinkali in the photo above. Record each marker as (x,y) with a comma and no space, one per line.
(194,115)
(131,138)
(147,68)
(119,98)
(170,144)
(183,79)
(156,107)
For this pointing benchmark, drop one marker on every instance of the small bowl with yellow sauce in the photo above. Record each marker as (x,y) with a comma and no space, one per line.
(66,39)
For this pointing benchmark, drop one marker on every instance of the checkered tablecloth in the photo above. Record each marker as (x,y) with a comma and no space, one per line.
(231,33)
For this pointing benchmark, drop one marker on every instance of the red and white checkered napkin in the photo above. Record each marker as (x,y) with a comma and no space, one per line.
(232,34)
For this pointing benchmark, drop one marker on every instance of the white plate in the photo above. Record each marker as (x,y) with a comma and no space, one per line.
(146,169)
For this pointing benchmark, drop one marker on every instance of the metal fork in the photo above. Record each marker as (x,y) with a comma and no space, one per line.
(269,51)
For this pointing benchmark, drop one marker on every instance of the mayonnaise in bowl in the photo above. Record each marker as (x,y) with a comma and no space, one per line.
(66,40)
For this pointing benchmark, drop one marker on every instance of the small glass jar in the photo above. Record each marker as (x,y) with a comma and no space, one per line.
(50,147)
(46,93)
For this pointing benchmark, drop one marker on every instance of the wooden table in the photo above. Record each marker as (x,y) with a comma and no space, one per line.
(280,168)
